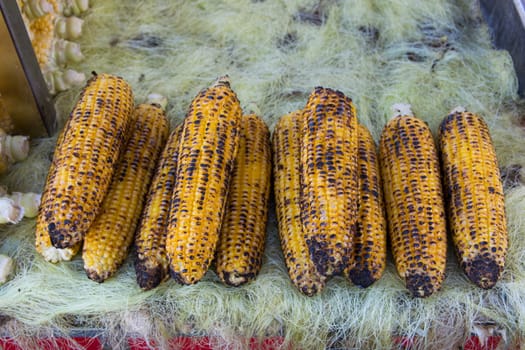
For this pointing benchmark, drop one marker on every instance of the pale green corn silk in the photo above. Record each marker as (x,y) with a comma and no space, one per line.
(434,55)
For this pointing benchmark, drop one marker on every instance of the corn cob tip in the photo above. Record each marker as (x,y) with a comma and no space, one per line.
(322,259)
(180,279)
(95,276)
(483,272)
(222,80)
(311,290)
(157,100)
(400,109)
(361,278)
(458,109)
(236,279)
(420,285)
(149,274)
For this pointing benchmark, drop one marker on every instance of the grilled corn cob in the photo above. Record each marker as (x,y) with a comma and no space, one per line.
(207,151)
(108,240)
(369,254)
(329,178)
(49,252)
(286,145)
(84,160)
(414,202)
(243,232)
(43,243)
(474,196)
(151,262)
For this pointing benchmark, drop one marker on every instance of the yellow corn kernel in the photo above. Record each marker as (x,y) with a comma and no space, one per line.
(329,178)
(474,196)
(414,202)
(84,160)
(151,262)
(286,145)
(368,259)
(243,233)
(109,238)
(207,151)
(42,31)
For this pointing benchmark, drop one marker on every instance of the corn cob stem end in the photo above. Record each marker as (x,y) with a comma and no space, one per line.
(401,109)
(157,100)
(458,109)
(54,255)
(222,80)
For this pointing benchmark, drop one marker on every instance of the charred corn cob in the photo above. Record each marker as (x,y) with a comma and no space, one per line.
(109,238)
(49,252)
(329,178)
(151,262)
(414,202)
(474,196)
(368,259)
(243,232)
(207,151)
(286,145)
(84,160)
(43,240)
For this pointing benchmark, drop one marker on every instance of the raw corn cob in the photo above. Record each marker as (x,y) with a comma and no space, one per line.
(53,27)
(243,232)
(329,178)
(286,145)
(109,238)
(368,259)
(414,202)
(84,160)
(151,262)
(207,151)
(474,196)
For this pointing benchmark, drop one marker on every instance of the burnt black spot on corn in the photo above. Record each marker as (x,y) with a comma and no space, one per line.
(109,238)
(329,178)
(368,259)
(241,243)
(151,262)
(474,196)
(414,203)
(84,160)
(207,151)
(286,145)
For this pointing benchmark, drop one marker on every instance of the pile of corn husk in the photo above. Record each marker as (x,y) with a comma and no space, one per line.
(434,55)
